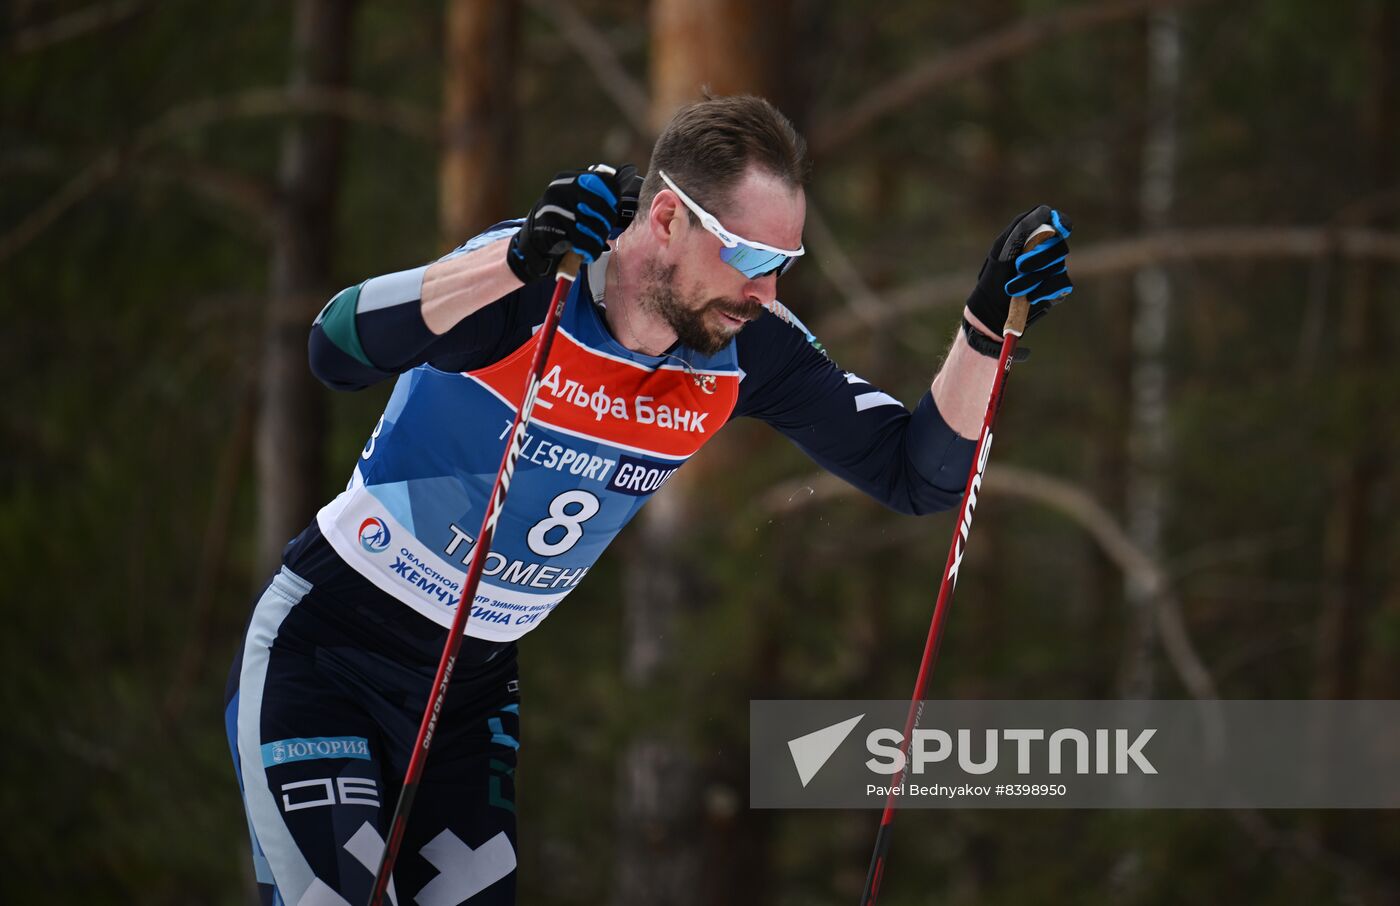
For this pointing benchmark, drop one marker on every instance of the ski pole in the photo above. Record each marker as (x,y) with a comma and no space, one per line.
(567,271)
(1015,325)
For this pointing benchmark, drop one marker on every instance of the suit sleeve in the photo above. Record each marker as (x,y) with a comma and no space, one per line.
(375,330)
(912,462)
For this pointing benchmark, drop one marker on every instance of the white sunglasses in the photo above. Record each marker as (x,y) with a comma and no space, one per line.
(752,259)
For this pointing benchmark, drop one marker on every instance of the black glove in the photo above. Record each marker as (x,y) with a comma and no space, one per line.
(577,212)
(1009,270)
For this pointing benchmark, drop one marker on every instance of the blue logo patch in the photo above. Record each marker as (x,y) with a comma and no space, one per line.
(374,535)
(285,751)
(640,477)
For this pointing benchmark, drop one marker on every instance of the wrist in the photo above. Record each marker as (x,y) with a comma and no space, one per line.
(979,325)
(516,259)
(979,341)
(985,345)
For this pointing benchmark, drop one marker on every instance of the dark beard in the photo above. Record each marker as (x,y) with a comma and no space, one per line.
(689,321)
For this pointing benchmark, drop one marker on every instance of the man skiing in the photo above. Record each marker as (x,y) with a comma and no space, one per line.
(672,329)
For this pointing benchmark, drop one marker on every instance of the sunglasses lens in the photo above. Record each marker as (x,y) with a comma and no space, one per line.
(752,262)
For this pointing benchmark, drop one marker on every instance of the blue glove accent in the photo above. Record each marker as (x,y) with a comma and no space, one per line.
(1017,285)
(1030,262)
(592,183)
(1038,274)
(1022,285)
(583,208)
(578,211)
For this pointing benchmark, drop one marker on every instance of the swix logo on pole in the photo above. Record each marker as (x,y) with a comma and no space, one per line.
(983,451)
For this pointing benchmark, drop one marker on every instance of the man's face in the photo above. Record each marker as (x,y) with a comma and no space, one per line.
(703,299)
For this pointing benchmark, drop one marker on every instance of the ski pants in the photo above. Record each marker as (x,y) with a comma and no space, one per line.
(323,707)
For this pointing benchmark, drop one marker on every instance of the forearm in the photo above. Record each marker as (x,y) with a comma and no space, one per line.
(964,383)
(391,323)
(457,287)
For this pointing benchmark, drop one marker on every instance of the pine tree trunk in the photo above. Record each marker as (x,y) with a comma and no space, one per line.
(705,43)
(1148,447)
(478,100)
(659,813)
(1109,437)
(291,416)
(1145,493)
(696,44)
(1358,470)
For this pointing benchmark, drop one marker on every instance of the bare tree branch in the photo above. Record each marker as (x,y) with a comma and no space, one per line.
(961,62)
(1114,541)
(862,302)
(592,46)
(31,159)
(1200,244)
(250,197)
(1124,256)
(87,182)
(213,552)
(410,119)
(260,102)
(74,25)
(1080,508)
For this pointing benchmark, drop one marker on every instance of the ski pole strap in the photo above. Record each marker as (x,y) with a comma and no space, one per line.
(988,347)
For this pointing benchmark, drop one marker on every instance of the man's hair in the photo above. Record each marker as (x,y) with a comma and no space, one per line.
(708,145)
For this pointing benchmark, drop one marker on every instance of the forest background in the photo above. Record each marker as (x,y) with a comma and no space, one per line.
(1192,494)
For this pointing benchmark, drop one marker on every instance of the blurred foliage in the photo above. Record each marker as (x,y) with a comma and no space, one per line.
(131,339)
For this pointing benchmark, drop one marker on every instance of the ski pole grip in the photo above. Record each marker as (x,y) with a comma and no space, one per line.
(569,266)
(1020,308)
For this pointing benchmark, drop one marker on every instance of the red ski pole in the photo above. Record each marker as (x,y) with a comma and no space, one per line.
(1015,325)
(567,271)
